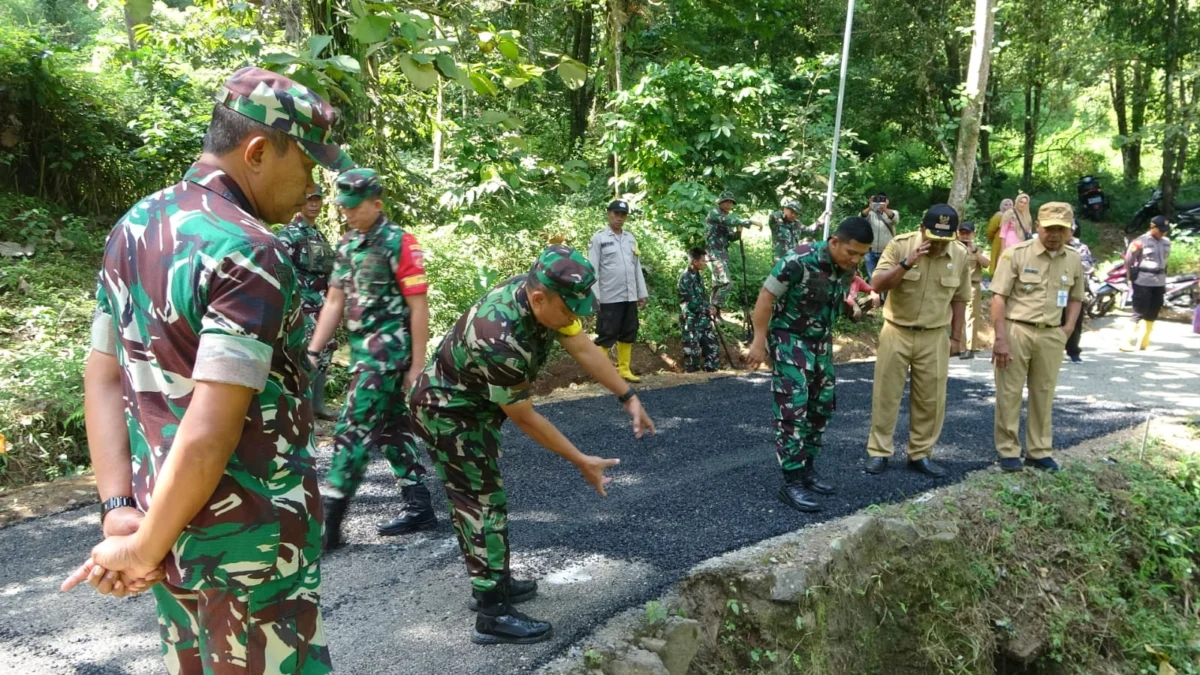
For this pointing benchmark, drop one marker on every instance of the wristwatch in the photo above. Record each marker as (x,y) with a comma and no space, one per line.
(115,503)
(624,398)
(905,265)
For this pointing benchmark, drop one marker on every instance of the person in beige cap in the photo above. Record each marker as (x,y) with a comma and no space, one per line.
(1035,282)
(930,283)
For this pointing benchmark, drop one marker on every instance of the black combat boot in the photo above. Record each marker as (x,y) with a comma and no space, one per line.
(519,590)
(795,494)
(335,511)
(498,623)
(812,480)
(417,513)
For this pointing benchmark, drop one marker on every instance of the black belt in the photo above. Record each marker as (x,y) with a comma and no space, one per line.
(915,328)
(1037,325)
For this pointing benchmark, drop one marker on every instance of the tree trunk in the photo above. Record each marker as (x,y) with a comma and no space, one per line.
(1137,114)
(581,98)
(985,137)
(1167,181)
(1030,135)
(617,19)
(976,90)
(1118,88)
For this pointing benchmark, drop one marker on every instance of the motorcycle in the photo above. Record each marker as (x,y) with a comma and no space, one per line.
(1183,291)
(1187,216)
(1092,200)
(1114,289)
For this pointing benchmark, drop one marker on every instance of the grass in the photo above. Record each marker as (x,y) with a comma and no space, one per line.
(1090,571)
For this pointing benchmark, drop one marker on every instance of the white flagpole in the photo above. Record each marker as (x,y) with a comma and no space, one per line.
(837,120)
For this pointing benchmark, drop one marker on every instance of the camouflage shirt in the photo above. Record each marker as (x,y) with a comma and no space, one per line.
(377,270)
(194,288)
(809,290)
(784,235)
(720,229)
(490,358)
(692,298)
(313,258)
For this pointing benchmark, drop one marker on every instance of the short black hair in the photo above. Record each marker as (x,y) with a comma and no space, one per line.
(696,253)
(855,228)
(228,129)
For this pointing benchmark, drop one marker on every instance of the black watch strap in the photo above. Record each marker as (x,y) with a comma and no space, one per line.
(624,398)
(905,265)
(311,352)
(115,503)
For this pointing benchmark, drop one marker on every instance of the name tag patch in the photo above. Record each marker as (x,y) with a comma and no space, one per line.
(1031,270)
(1062,299)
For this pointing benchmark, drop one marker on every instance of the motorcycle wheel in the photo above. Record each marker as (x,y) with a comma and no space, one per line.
(1138,223)
(1103,305)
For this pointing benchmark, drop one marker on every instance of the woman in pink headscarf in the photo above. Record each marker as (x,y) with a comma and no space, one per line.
(993,231)
(1016,225)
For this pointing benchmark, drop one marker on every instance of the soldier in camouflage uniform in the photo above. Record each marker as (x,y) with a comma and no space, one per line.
(313,258)
(722,227)
(794,316)
(379,280)
(785,229)
(480,376)
(695,317)
(196,407)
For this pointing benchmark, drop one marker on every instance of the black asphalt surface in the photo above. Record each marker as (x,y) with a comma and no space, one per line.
(703,486)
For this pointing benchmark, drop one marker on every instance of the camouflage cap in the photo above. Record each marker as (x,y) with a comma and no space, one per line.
(568,273)
(793,205)
(726,196)
(356,186)
(280,103)
(1055,214)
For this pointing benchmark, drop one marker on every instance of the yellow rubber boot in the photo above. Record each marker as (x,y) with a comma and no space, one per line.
(624,356)
(1146,335)
(1130,343)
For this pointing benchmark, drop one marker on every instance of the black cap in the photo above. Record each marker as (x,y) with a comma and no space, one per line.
(619,205)
(967,225)
(941,222)
(879,197)
(1161,223)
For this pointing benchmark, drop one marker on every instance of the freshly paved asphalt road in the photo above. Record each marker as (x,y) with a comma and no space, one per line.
(705,485)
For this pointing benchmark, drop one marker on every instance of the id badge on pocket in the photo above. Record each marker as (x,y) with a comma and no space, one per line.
(1062,298)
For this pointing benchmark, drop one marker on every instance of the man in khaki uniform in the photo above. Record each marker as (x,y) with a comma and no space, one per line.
(930,282)
(1034,282)
(976,260)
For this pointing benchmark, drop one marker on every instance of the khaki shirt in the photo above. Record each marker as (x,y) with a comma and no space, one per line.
(973,264)
(1032,281)
(924,295)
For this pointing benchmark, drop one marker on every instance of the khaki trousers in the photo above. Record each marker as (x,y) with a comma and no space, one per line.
(925,355)
(974,318)
(1037,354)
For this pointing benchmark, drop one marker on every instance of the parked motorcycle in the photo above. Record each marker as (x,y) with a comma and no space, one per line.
(1183,291)
(1187,216)
(1092,200)
(1113,290)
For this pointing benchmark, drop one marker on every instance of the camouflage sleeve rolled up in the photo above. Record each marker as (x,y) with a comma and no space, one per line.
(104,338)
(341,268)
(250,293)
(787,271)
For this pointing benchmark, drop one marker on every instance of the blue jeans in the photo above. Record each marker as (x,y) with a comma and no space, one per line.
(871,261)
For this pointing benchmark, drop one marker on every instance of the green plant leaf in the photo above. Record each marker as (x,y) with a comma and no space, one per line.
(317,44)
(494,116)
(482,85)
(422,75)
(509,50)
(346,64)
(446,65)
(371,28)
(572,72)
(279,58)
(514,81)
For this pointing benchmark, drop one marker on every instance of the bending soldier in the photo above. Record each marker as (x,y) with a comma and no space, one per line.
(480,376)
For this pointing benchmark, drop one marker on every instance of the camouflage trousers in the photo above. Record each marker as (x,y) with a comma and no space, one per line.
(722,284)
(466,451)
(274,627)
(375,417)
(699,342)
(804,402)
(326,357)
